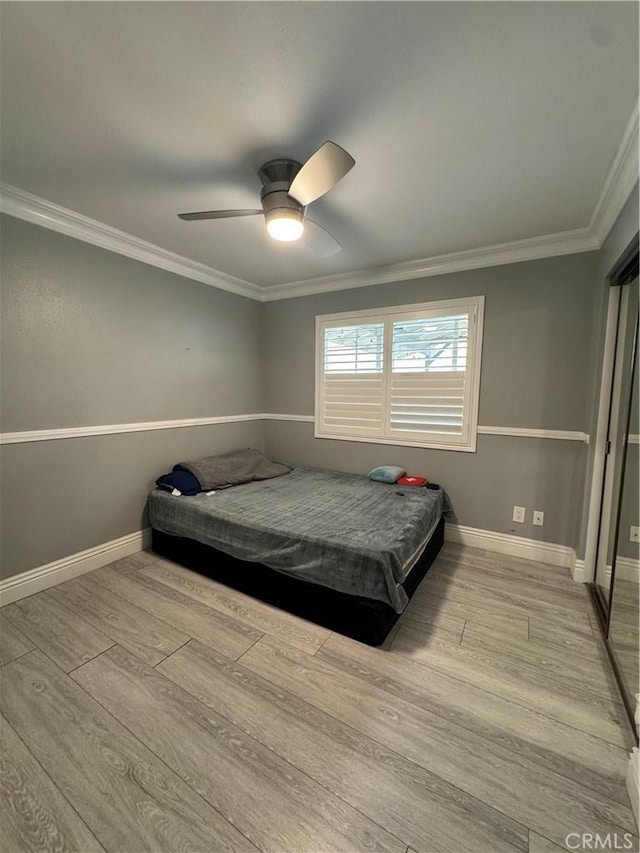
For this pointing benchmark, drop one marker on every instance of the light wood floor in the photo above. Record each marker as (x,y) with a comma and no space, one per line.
(146,708)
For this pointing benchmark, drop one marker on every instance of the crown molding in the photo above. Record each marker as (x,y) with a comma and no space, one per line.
(619,184)
(530,249)
(617,188)
(32,208)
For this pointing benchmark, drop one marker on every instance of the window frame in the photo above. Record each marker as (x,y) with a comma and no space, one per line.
(474,305)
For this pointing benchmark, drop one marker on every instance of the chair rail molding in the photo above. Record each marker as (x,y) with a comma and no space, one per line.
(56,434)
(28,436)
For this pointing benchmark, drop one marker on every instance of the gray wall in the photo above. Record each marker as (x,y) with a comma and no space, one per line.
(539,322)
(89,338)
(61,497)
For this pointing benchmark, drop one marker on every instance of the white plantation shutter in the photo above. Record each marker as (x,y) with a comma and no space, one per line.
(428,377)
(406,375)
(354,405)
(353,387)
(423,405)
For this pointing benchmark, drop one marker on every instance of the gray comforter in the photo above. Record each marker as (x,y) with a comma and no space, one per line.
(343,531)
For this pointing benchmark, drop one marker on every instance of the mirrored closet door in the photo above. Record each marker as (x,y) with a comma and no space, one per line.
(626,302)
(617,581)
(625,598)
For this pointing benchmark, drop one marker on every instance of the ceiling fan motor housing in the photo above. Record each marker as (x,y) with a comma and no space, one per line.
(279,170)
(276,177)
(275,197)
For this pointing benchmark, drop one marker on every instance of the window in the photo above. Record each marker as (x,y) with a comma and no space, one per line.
(405,375)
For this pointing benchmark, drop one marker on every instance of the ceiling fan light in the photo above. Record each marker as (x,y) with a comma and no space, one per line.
(285,225)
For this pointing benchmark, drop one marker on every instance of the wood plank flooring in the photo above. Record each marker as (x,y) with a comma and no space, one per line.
(147,708)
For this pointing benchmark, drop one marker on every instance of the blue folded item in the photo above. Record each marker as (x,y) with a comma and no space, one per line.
(387,473)
(183,481)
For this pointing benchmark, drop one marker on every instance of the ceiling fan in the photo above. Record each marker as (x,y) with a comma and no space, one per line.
(288,187)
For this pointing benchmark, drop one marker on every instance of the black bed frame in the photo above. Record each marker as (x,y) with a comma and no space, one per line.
(363,619)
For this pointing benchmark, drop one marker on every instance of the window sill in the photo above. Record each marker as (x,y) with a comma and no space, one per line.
(465,448)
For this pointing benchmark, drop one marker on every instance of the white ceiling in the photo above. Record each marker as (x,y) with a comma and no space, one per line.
(472,124)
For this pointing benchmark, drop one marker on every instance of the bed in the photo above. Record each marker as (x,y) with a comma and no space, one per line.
(338,549)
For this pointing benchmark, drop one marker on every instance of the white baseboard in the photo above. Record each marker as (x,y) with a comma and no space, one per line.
(633,782)
(578,571)
(43,577)
(515,546)
(628,569)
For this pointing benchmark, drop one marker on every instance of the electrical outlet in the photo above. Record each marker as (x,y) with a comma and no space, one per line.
(634,534)
(518,514)
(538,517)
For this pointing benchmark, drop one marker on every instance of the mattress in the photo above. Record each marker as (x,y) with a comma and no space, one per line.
(342,531)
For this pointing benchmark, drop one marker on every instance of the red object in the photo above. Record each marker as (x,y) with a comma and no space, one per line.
(412,481)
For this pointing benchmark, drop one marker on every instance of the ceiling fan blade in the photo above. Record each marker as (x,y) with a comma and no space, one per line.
(319,241)
(320,173)
(217,214)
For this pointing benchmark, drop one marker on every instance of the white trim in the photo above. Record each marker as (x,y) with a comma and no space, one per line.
(577,571)
(622,178)
(522,432)
(515,546)
(29,436)
(618,185)
(310,419)
(24,205)
(633,438)
(633,781)
(628,569)
(393,442)
(43,577)
(114,429)
(530,249)
(600,440)
(444,305)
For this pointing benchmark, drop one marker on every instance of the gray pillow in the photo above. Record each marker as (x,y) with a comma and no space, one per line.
(387,473)
(233,469)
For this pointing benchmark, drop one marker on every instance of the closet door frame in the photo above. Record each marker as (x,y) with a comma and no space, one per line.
(587,573)
(607,492)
